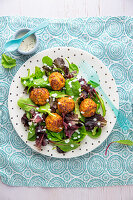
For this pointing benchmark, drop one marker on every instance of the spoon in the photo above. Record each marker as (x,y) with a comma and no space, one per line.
(92,75)
(12,45)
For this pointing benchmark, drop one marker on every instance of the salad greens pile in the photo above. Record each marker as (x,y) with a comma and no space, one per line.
(76,126)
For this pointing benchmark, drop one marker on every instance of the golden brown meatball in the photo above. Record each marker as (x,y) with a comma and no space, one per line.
(88,107)
(66,105)
(39,96)
(54,122)
(56,81)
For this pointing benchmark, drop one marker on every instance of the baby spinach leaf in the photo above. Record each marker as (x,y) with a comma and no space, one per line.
(125,142)
(57,94)
(94,84)
(38,72)
(95,133)
(7,62)
(79,134)
(31,133)
(26,104)
(47,60)
(44,109)
(73,88)
(41,83)
(52,136)
(33,138)
(67,145)
(73,67)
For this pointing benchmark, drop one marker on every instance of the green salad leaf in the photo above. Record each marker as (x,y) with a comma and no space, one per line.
(79,134)
(26,104)
(73,67)
(67,145)
(98,107)
(57,94)
(100,103)
(45,109)
(31,133)
(96,100)
(28,115)
(124,142)
(7,62)
(47,60)
(95,133)
(103,106)
(38,72)
(26,81)
(35,79)
(41,83)
(94,84)
(52,136)
(73,88)
(77,111)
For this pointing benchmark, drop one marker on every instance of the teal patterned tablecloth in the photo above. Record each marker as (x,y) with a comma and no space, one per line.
(111,40)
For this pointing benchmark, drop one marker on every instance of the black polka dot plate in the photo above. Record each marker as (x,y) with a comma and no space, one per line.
(76,56)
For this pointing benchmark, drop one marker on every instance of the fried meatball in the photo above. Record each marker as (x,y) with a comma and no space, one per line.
(66,105)
(56,81)
(39,96)
(88,107)
(54,122)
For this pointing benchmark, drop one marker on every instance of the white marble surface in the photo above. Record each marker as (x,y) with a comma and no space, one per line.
(62,9)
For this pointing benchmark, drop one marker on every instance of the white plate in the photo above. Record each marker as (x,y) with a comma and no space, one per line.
(76,56)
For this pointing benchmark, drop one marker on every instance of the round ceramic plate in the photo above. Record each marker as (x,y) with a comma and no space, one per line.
(76,56)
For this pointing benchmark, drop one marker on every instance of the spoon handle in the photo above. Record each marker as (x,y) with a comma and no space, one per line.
(42,25)
(122,120)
